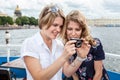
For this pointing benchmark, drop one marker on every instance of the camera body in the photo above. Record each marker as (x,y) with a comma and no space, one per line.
(78,42)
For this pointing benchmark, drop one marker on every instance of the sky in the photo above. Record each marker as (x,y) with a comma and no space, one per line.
(90,8)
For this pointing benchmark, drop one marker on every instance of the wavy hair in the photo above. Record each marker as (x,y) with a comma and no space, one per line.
(78,17)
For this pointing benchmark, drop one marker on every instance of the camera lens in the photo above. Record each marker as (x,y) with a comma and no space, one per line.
(78,43)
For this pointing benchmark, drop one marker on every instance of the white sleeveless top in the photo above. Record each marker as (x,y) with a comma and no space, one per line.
(35,47)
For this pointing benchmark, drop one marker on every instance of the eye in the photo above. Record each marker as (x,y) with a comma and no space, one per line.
(69,28)
(55,25)
(78,29)
(61,26)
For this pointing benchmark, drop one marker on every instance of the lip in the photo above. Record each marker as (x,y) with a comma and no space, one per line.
(74,38)
(55,33)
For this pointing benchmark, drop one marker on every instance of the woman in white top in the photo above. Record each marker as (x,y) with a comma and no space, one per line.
(43,54)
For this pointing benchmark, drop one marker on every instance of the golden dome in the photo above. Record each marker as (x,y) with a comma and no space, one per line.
(17,11)
(17,8)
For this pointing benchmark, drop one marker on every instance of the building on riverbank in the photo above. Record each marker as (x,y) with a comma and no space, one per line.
(105,22)
(3,14)
(18,27)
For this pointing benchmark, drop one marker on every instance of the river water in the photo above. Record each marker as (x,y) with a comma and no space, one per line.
(109,37)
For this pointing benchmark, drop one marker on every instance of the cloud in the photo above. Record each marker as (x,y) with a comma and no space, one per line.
(90,8)
(113,6)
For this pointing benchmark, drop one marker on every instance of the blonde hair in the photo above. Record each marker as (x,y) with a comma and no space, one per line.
(48,15)
(79,18)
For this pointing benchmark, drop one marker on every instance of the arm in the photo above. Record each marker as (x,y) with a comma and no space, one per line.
(71,68)
(98,70)
(36,70)
(98,64)
(75,76)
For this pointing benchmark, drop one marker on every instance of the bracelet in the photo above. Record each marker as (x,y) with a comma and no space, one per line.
(81,59)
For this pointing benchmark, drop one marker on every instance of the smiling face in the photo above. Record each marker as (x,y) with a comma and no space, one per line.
(76,27)
(73,30)
(55,28)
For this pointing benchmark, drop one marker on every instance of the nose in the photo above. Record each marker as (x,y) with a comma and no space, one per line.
(58,29)
(73,33)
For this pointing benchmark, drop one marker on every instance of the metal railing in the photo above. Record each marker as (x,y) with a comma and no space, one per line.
(8,48)
(112,60)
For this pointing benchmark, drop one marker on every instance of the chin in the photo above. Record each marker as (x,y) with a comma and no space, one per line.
(54,37)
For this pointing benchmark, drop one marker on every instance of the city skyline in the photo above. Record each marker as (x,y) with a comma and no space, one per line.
(90,8)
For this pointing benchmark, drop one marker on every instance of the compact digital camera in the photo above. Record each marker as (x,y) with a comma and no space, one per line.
(78,42)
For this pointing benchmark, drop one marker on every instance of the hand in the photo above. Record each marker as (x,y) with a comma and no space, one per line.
(69,49)
(84,49)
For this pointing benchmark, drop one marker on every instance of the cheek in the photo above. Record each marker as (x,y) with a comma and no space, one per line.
(79,34)
(68,33)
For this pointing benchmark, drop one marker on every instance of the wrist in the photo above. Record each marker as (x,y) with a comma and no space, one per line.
(81,59)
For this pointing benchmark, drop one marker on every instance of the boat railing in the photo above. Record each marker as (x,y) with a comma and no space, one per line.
(10,45)
(8,49)
(19,45)
(112,55)
(111,61)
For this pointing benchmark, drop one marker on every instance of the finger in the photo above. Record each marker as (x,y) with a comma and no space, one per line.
(73,51)
(83,39)
(70,42)
(85,42)
(72,48)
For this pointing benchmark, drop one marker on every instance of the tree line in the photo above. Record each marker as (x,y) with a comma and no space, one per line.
(23,20)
